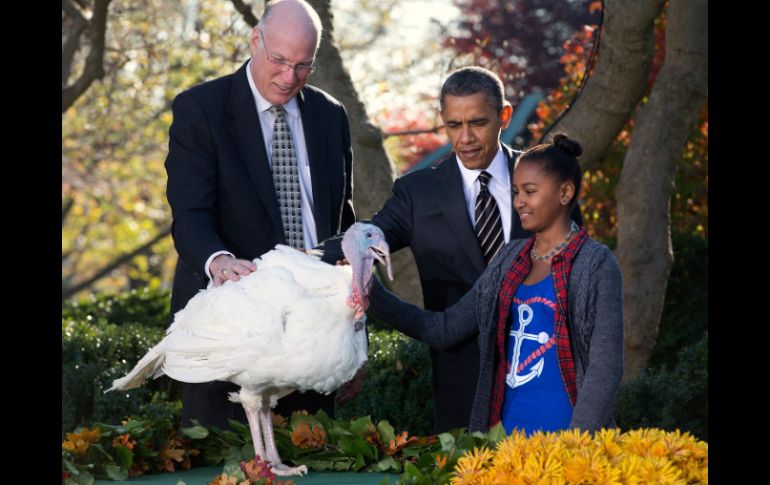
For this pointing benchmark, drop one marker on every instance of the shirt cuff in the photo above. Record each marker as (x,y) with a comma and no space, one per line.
(208,263)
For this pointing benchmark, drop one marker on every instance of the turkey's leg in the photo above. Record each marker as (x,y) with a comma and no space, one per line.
(252,415)
(276,466)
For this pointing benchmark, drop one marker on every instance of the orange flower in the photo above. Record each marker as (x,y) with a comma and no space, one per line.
(305,437)
(138,469)
(399,442)
(256,469)
(225,479)
(278,420)
(440,461)
(124,440)
(78,443)
(169,453)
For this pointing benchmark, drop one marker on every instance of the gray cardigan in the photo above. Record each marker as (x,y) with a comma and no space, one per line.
(595,324)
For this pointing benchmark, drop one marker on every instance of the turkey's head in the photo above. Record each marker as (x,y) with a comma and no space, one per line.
(362,244)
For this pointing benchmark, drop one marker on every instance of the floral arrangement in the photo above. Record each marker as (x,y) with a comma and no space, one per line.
(133,448)
(644,456)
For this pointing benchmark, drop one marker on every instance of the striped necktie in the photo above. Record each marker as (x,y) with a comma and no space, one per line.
(489,226)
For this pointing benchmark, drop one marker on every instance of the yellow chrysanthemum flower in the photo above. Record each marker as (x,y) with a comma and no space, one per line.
(470,468)
(639,457)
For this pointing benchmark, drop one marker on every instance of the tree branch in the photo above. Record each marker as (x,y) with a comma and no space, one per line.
(72,41)
(94,68)
(246,13)
(66,209)
(119,261)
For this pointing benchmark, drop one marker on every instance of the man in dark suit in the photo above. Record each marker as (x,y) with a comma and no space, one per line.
(451,224)
(256,158)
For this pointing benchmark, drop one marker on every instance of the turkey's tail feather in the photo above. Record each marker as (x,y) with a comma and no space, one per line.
(150,365)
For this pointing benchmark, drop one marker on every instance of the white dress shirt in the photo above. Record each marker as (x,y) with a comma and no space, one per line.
(294,120)
(499,186)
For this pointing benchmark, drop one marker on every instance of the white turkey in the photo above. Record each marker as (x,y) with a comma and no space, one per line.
(292,324)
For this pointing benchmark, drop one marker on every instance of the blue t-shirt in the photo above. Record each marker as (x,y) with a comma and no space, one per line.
(535,396)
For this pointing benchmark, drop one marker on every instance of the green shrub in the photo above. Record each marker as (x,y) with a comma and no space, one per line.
(93,354)
(669,399)
(398,384)
(144,306)
(685,311)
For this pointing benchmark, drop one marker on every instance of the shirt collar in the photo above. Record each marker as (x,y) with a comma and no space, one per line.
(498,169)
(292,108)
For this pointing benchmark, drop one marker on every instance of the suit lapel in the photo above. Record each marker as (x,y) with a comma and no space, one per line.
(452,200)
(247,134)
(319,176)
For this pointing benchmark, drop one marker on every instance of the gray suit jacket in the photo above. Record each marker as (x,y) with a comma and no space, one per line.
(595,324)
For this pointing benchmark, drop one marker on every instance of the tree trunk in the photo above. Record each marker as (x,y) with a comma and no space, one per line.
(647,179)
(373,171)
(619,79)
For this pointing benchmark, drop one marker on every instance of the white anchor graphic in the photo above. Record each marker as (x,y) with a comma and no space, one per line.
(525,317)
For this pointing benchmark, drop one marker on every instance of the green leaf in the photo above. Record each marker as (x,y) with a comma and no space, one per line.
(231,438)
(239,427)
(247,451)
(361,425)
(319,465)
(195,432)
(115,472)
(71,467)
(411,451)
(232,467)
(234,455)
(359,463)
(144,451)
(324,419)
(84,478)
(497,433)
(100,448)
(353,446)
(343,465)
(387,463)
(413,472)
(338,431)
(386,431)
(297,418)
(125,456)
(447,441)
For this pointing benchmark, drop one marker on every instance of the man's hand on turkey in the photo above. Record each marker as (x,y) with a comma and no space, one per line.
(225,267)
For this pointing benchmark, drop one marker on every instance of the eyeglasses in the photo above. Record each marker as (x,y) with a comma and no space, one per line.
(302,70)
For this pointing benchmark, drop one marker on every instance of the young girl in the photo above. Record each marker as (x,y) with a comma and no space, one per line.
(548,311)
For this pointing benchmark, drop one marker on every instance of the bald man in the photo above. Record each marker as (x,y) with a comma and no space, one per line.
(256,158)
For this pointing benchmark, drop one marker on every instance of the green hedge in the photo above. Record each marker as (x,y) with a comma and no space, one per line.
(398,384)
(93,354)
(669,398)
(144,306)
(685,311)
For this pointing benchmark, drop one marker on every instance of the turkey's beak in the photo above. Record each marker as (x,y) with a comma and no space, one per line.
(381,253)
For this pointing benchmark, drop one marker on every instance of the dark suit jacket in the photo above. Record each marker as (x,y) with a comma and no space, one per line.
(220,189)
(427,212)
(220,186)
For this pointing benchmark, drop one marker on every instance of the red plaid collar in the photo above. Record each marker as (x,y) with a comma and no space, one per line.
(561,266)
